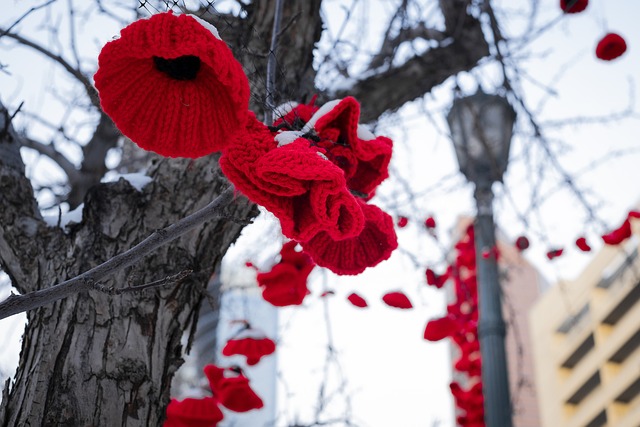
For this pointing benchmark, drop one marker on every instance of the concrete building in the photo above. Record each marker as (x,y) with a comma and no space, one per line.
(586,339)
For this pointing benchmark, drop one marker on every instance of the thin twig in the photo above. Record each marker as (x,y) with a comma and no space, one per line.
(49,150)
(24,15)
(110,290)
(271,64)
(91,91)
(18,303)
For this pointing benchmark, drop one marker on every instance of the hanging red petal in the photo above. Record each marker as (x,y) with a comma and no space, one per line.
(522,243)
(438,329)
(618,235)
(633,214)
(193,413)
(352,256)
(554,253)
(232,389)
(434,279)
(573,6)
(403,221)
(610,47)
(430,223)
(357,300)
(397,300)
(582,244)
(284,285)
(171,85)
(250,343)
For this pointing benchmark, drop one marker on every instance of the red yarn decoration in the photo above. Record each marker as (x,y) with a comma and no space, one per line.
(610,47)
(402,222)
(522,243)
(305,192)
(397,300)
(357,300)
(430,223)
(232,389)
(252,348)
(554,253)
(618,235)
(578,5)
(582,244)
(172,86)
(193,413)
(353,255)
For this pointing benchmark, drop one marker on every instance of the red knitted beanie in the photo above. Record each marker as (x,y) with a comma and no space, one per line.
(353,255)
(171,85)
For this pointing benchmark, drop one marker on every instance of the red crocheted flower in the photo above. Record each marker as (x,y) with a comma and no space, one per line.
(232,388)
(362,156)
(171,85)
(251,343)
(578,5)
(306,192)
(397,300)
(610,47)
(618,235)
(357,300)
(193,413)
(582,244)
(353,255)
(294,116)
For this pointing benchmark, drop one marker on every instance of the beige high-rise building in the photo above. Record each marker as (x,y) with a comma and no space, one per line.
(586,344)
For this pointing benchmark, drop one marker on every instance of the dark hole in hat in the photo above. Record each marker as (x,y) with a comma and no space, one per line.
(181,68)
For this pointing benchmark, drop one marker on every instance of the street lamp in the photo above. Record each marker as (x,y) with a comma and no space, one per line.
(481,128)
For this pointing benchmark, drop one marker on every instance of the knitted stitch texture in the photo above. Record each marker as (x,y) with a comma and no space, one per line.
(352,256)
(363,157)
(172,86)
(307,193)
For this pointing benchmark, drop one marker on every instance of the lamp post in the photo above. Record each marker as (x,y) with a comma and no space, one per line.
(481,128)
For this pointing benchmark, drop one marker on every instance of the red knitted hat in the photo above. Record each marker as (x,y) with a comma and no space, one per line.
(307,193)
(353,255)
(193,412)
(171,85)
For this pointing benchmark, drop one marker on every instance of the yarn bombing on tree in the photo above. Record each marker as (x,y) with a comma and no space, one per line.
(610,47)
(171,85)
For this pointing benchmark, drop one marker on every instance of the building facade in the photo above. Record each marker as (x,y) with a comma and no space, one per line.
(586,342)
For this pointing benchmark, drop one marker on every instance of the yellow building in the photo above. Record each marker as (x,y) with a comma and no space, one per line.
(586,344)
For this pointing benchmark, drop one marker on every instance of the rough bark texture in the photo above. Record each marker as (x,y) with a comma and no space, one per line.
(100,360)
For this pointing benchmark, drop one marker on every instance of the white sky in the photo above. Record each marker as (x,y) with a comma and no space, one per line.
(394,377)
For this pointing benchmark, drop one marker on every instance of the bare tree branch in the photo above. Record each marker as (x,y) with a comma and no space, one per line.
(50,151)
(91,91)
(18,303)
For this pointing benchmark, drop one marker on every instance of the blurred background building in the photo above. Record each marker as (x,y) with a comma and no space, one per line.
(586,339)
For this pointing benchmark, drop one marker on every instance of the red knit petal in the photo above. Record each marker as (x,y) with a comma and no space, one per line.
(353,255)
(430,222)
(298,116)
(236,394)
(554,253)
(578,5)
(193,413)
(582,244)
(397,300)
(284,285)
(438,329)
(522,243)
(357,300)
(402,222)
(189,117)
(618,235)
(252,348)
(610,47)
